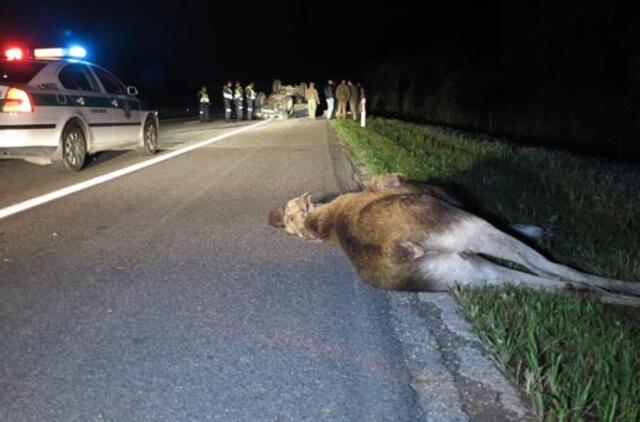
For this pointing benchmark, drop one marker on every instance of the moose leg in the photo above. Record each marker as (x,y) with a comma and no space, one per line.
(481,237)
(443,270)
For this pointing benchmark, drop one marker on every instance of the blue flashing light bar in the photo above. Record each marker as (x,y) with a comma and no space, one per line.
(77,51)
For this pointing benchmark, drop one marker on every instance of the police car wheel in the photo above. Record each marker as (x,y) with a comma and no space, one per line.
(74,148)
(150,139)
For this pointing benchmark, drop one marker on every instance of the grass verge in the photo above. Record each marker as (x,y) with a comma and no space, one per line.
(576,359)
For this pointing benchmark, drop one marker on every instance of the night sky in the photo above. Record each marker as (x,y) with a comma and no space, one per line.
(168,49)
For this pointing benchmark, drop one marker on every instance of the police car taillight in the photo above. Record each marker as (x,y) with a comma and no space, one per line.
(17,101)
(14,54)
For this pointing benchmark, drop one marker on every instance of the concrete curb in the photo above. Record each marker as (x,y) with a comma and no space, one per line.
(453,375)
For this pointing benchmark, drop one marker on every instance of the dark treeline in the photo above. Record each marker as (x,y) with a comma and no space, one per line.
(565,73)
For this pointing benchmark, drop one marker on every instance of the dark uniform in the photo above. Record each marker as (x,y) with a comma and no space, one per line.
(227,97)
(250,95)
(238,97)
(354,101)
(342,93)
(204,104)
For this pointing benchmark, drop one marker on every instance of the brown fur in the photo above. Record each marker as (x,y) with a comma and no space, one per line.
(370,226)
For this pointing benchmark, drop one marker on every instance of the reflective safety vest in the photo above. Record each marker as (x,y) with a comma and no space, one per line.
(237,95)
(204,97)
(227,92)
(250,93)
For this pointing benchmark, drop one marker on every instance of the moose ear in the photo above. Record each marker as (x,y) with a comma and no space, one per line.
(276,217)
(307,205)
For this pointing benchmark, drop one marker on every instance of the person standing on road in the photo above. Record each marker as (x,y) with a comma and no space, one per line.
(354,101)
(313,99)
(227,97)
(330,97)
(204,104)
(238,95)
(250,95)
(342,93)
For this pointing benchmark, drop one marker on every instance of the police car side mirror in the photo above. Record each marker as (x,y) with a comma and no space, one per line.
(132,91)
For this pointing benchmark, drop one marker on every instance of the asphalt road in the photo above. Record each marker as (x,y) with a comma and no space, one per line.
(165,295)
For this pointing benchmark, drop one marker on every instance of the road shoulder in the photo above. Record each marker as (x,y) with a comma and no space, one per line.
(453,375)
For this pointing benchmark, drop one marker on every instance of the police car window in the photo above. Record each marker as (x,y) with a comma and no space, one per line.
(109,82)
(77,77)
(19,72)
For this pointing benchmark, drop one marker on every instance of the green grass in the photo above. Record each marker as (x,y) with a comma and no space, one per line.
(577,359)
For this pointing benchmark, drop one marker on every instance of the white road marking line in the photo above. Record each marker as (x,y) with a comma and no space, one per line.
(57,194)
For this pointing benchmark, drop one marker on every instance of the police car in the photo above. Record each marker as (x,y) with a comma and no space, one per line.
(55,108)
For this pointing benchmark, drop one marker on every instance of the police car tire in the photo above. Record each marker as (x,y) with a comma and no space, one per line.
(74,148)
(149,146)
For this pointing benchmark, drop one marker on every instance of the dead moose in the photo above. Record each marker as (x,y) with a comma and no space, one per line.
(405,235)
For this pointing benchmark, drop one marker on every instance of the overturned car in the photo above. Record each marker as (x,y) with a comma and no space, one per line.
(280,103)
